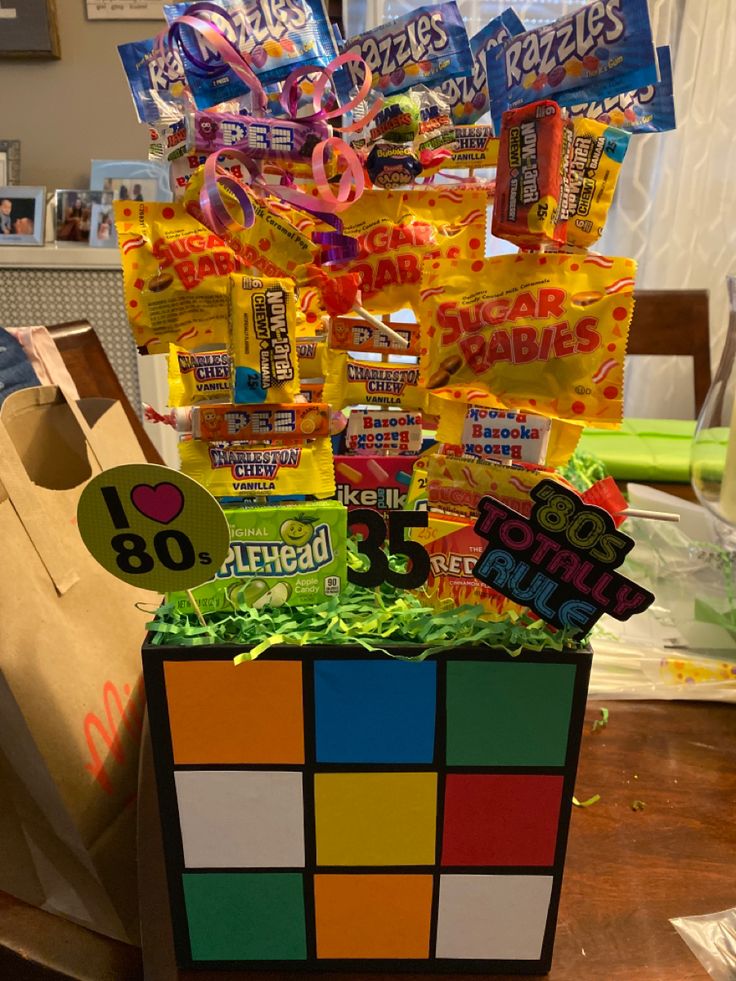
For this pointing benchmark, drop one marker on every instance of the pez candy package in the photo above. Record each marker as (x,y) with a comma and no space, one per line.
(540,333)
(293,555)
(468,97)
(156,79)
(425,46)
(276,35)
(245,469)
(263,340)
(647,110)
(600,50)
(225,422)
(261,139)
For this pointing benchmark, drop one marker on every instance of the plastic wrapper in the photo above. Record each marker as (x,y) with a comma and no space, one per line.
(202,377)
(712,938)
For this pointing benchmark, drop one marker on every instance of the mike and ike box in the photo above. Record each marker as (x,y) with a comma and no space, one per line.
(293,555)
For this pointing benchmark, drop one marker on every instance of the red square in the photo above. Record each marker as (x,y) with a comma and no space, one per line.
(500,819)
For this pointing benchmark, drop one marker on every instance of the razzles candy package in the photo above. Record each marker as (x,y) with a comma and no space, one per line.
(540,333)
(599,50)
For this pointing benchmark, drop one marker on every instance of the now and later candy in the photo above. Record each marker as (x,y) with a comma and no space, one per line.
(600,50)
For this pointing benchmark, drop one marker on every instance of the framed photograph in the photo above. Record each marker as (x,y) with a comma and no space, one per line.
(28,29)
(131,180)
(21,215)
(9,162)
(102,234)
(74,214)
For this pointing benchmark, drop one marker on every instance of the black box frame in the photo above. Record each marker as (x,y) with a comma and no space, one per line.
(154,657)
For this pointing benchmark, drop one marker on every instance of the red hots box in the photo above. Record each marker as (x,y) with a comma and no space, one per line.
(379,482)
(532,155)
(454,548)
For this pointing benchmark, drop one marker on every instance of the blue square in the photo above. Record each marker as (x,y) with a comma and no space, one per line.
(375,711)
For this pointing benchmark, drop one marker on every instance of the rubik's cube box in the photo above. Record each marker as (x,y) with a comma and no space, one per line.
(329,808)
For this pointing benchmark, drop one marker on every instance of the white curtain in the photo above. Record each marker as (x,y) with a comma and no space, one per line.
(675,208)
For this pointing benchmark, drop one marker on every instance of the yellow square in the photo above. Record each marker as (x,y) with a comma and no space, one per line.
(375,818)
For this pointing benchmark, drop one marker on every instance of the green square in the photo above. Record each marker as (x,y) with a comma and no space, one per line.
(245,916)
(508,714)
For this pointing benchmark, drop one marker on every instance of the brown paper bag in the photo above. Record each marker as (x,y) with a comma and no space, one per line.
(71,702)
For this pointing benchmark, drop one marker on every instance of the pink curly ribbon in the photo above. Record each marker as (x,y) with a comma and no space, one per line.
(289,97)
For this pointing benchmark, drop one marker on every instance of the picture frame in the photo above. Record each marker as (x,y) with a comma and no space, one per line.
(9,162)
(30,30)
(102,234)
(73,214)
(22,213)
(122,177)
(124,10)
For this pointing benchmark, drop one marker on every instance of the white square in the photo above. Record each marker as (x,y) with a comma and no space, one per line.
(241,819)
(493,916)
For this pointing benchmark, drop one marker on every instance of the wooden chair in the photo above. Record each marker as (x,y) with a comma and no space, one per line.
(87,363)
(674,322)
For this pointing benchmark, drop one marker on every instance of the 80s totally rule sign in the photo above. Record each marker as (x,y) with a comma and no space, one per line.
(560,561)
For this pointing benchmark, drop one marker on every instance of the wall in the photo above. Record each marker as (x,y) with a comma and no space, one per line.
(67,112)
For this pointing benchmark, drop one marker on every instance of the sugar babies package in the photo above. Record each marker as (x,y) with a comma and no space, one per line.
(540,333)
(293,555)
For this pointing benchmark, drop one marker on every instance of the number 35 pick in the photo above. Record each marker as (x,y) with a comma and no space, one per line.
(153,527)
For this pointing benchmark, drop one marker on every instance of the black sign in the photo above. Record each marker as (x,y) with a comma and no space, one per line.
(560,561)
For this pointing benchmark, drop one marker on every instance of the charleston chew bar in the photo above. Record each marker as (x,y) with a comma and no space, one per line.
(244,470)
(198,377)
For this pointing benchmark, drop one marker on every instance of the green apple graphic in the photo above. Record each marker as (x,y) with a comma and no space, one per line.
(297,531)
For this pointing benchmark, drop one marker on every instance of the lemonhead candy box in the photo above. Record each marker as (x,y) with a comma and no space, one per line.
(292,555)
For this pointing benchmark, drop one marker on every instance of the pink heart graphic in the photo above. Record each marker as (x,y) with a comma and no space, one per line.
(161,503)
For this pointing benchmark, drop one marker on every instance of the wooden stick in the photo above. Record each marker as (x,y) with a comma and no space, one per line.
(379,325)
(653,515)
(197,610)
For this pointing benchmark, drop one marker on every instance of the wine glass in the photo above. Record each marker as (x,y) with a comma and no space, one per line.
(713,458)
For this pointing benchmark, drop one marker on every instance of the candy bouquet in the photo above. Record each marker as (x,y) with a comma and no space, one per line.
(383,411)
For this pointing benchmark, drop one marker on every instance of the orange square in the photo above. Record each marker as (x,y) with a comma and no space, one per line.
(223,713)
(379,916)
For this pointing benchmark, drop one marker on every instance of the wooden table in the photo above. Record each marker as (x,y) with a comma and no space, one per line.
(627,871)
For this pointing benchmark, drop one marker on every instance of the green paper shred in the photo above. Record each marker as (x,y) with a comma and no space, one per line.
(638,805)
(582,470)
(602,722)
(370,618)
(586,803)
